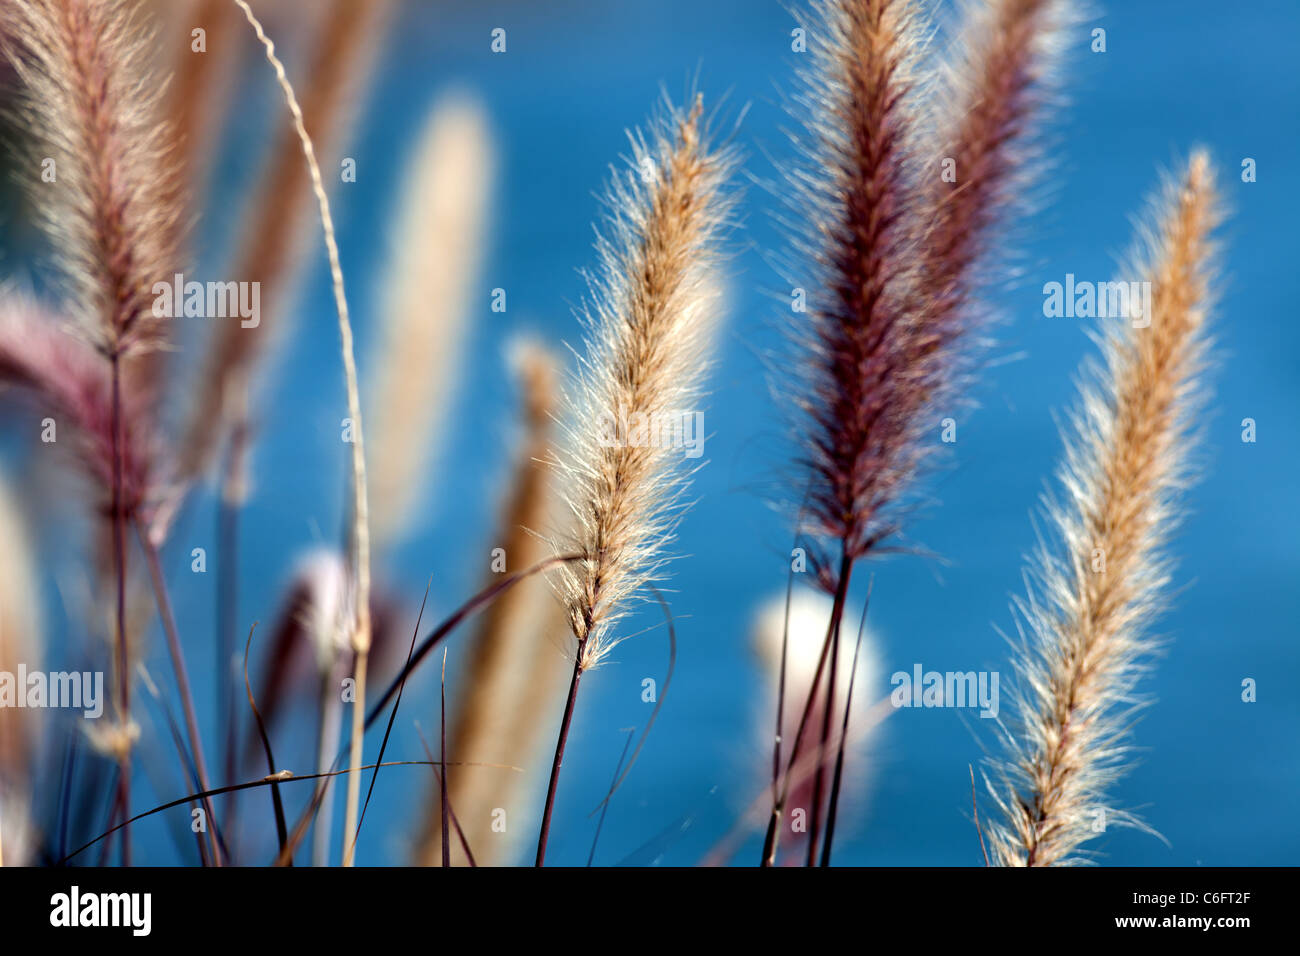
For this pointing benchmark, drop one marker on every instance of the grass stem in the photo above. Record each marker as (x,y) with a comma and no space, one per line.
(119,571)
(182,674)
(565,722)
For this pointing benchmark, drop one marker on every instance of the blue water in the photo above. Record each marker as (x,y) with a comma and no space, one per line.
(1216,777)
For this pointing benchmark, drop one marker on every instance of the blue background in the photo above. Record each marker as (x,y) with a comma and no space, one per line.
(1215,776)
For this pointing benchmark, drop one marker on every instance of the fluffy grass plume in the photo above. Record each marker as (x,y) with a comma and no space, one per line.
(656,307)
(112,207)
(998,75)
(316,614)
(889,246)
(859,196)
(896,239)
(856,195)
(651,329)
(1090,614)
(436,252)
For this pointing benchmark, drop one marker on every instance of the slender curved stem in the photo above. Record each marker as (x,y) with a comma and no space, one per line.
(182,675)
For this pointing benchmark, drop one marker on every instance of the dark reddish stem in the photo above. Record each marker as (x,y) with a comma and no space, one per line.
(833,636)
(771,840)
(442,757)
(844,737)
(565,722)
(780,691)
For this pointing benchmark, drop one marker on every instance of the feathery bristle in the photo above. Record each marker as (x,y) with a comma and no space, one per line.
(655,311)
(112,207)
(1089,617)
(437,248)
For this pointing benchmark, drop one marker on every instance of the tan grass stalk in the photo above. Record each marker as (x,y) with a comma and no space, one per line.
(200,81)
(1089,617)
(437,249)
(515,671)
(360,507)
(196,86)
(21,642)
(656,308)
(274,232)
